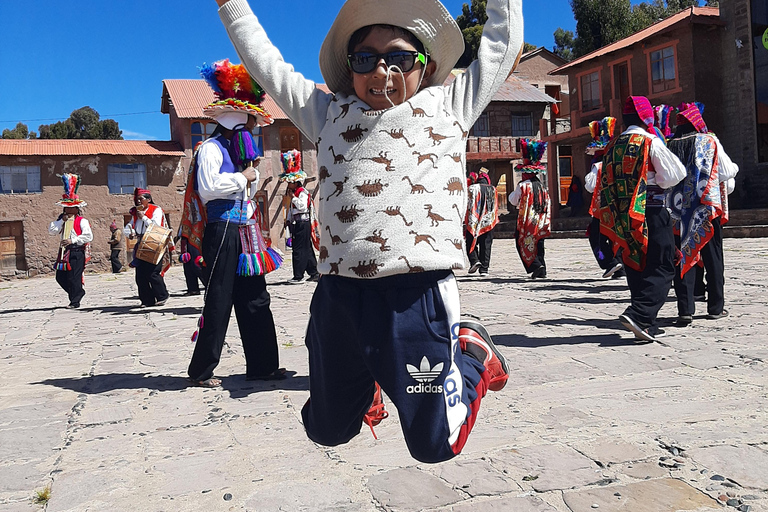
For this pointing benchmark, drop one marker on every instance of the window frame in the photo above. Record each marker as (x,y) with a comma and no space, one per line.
(521,115)
(612,66)
(675,56)
(484,116)
(139,167)
(205,125)
(11,171)
(579,78)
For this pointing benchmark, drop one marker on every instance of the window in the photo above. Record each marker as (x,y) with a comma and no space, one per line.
(522,125)
(663,70)
(201,131)
(590,91)
(258,136)
(19,179)
(123,178)
(482,126)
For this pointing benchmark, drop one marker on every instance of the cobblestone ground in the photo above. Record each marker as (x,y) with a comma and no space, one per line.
(94,404)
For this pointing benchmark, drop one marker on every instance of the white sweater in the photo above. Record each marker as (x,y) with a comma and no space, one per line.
(392,191)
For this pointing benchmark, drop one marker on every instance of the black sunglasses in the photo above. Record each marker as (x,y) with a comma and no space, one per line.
(365,62)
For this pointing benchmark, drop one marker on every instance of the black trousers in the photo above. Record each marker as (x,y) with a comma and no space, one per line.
(602,247)
(114,258)
(251,300)
(685,287)
(649,288)
(193,273)
(482,252)
(150,283)
(71,281)
(538,261)
(304,259)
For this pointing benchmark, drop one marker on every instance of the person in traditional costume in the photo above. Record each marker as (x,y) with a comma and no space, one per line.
(602,133)
(637,169)
(482,217)
(234,249)
(533,208)
(115,242)
(76,235)
(700,207)
(299,218)
(190,256)
(149,276)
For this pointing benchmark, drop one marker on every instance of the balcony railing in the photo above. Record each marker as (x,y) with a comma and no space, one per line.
(492,148)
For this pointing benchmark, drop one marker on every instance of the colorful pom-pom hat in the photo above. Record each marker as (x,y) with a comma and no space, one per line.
(292,171)
(533,151)
(237,95)
(602,133)
(428,20)
(70,199)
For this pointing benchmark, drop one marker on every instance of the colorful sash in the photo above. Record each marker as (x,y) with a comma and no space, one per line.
(696,199)
(193,218)
(482,211)
(622,184)
(531,225)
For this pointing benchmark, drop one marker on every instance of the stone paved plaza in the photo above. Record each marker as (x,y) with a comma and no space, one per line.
(94,404)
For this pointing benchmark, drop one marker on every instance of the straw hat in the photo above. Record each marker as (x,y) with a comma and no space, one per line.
(428,20)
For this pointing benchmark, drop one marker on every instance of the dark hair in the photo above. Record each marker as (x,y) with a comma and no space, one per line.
(684,129)
(148,196)
(361,33)
(632,119)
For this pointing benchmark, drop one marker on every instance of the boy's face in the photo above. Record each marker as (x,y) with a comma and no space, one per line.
(370,87)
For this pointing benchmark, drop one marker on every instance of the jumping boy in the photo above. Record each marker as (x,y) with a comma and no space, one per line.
(392,197)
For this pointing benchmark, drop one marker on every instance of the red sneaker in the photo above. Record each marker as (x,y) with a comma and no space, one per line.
(475,341)
(376,413)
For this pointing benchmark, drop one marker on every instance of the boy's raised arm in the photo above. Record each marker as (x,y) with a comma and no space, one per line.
(500,50)
(298,97)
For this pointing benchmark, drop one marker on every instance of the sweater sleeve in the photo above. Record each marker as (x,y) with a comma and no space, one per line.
(303,103)
(499,52)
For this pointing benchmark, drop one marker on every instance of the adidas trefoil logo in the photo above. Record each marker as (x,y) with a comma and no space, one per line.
(425,375)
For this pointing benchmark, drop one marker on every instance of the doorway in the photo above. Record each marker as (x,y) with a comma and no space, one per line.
(621,81)
(12,255)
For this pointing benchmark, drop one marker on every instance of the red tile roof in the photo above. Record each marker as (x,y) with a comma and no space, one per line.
(190,96)
(513,89)
(67,147)
(692,14)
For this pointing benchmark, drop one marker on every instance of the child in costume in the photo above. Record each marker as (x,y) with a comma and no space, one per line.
(533,209)
(76,234)
(299,218)
(392,202)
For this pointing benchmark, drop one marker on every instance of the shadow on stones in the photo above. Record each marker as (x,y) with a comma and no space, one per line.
(113,381)
(492,280)
(612,325)
(135,310)
(617,287)
(523,341)
(33,310)
(238,387)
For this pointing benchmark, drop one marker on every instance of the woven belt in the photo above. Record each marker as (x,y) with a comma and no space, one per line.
(223,210)
(656,197)
(300,216)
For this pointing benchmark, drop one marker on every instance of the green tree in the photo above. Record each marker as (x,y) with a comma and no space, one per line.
(20,132)
(83,123)
(563,44)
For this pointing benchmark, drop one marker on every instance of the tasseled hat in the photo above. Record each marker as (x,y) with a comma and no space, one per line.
(71,185)
(140,192)
(691,113)
(533,151)
(642,107)
(292,171)
(664,119)
(237,95)
(602,133)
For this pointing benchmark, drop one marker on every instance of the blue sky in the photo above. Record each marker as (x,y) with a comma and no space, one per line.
(113,55)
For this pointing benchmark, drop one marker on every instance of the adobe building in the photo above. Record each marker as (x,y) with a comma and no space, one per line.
(30,186)
(666,62)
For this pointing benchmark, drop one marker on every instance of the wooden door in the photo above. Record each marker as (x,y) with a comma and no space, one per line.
(621,81)
(12,246)
(290,138)
(565,169)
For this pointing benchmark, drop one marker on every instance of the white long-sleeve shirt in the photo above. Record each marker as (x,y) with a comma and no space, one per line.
(140,225)
(300,203)
(212,184)
(85,236)
(727,169)
(668,170)
(590,180)
(371,214)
